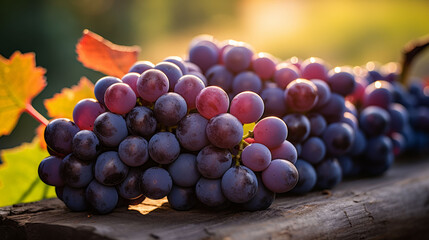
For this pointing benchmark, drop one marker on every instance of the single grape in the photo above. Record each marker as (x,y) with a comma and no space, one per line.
(285,151)
(184,171)
(156,183)
(224,131)
(378,93)
(209,192)
(313,150)
(86,145)
(398,117)
(333,109)
(110,129)
(120,98)
(374,121)
(141,121)
(133,151)
(378,149)
(130,187)
(213,162)
(189,86)
(247,107)
(74,199)
(170,108)
(101,86)
(237,58)
(246,81)
(141,66)
(204,54)
(109,170)
(329,174)
(191,132)
(256,156)
(270,131)
(85,112)
(59,135)
(317,124)
(301,95)
(263,65)
(49,171)
(274,103)
(280,176)
(152,84)
(307,177)
(285,73)
(172,71)
(314,68)
(338,138)
(182,198)
(164,147)
(239,184)
(298,127)
(219,75)
(262,200)
(341,82)
(75,172)
(102,198)
(212,101)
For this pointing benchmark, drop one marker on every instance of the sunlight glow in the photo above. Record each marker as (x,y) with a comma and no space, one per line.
(377,84)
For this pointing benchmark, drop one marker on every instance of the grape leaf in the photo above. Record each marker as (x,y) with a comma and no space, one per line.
(20,82)
(99,54)
(62,104)
(19,180)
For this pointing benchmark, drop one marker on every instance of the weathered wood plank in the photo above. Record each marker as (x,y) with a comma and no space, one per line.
(390,207)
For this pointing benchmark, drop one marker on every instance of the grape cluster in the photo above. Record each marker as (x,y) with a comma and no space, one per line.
(176,130)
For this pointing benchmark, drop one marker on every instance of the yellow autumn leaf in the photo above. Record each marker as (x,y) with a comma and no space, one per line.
(20,82)
(62,104)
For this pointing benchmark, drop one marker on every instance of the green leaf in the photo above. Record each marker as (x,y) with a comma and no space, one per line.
(19,180)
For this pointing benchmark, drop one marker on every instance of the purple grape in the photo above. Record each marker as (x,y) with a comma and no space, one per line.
(378,149)
(270,131)
(212,101)
(192,67)
(191,132)
(133,151)
(50,172)
(338,138)
(374,121)
(239,184)
(181,198)
(86,111)
(156,183)
(172,71)
(110,129)
(152,84)
(120,98)
(189,86)
(317,124)
(307,177)
(131,79)
(178,61)
(209,192)
(237,58)
(333,109)
(59,135)
(298,126)
(285,151)
(378,93)
(280,176)
(204,54)
(246,81)
(213,162)
(262,200)
(141,121)
(314,68)
(263,65)
(285,73)
(170,108)
(313,150)
(219,76)
(359,144)
(184,171)
(274,103)
(109,170)
(341,82)
(75,172)
(101,86)
(351,120)
(224,131)
(141,66)
(74,199)
(256,156)
(200,76)
(102,198)
(86,145)
(329,174)
(398,117)
(301,95)
(247,107)
(130,187)
(164,147)
(323,92)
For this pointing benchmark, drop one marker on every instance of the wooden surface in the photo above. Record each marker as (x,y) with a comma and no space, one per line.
(394,206)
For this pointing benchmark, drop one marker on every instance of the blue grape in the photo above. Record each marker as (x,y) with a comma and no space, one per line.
(141,121)
(86,145)
(378,149)
(152,84)
(224,131)
(181,198)
(359,144)
(378,93)
(101,86)
(317,124)
(59,135)
(209,192)
(398,117)
(274,104)
(49,171)
(374,121)
(307,177)
(333,109)
(313,150)
(164,147)
(338,138)
(219,76)
(110,129)
(170,108)
(342,82)
(213,162)
(130,187)
(156,183)
(172,71)
(285,151)
(262,200)
(237,58)
(75,172)
(247,107)
(239,184)
(74,199)
(280,176)
(246,81)
(323,92)
(59,192)
(204,54)
(270,131)
(189,86)
(178,61)
(298,127)
(109,169)
(141,66)
(285,73)
(256,156)
(102,198)
(191,132)
(349,168)
(133,151)
(184,171)
(86,111)
(301,95)
(329,174)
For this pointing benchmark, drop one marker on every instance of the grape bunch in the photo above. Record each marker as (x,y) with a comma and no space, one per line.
(179,129)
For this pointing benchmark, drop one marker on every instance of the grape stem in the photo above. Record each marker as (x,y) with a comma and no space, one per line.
(35,114)
(410,51)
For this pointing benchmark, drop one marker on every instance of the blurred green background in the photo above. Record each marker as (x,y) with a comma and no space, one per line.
(343,32)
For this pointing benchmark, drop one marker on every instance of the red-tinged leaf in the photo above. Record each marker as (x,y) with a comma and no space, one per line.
(99,54)
(20,82)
